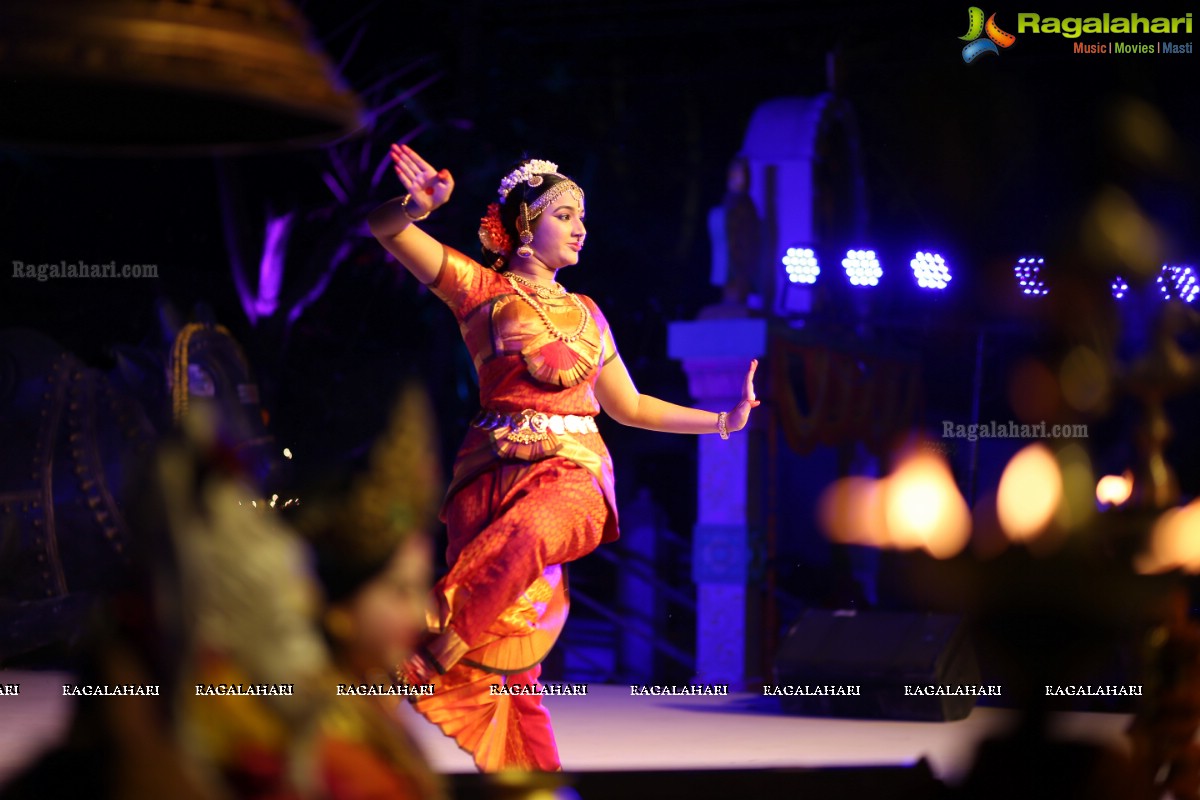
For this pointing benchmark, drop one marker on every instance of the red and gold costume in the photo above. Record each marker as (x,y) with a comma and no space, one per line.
(532,489)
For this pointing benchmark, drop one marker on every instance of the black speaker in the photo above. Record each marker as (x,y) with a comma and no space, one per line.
(878,665)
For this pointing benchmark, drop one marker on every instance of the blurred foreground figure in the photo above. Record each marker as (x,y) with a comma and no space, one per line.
(333,732)
(1164,751)
(131,744)
(250,605)
(374,559)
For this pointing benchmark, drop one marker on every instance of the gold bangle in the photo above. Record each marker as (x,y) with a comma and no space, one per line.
(722,424)
(404,208)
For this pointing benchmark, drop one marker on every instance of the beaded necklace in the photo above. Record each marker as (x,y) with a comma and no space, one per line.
(544,292)
(550,326)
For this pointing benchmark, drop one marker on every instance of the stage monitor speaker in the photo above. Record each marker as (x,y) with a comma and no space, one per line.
(903,665)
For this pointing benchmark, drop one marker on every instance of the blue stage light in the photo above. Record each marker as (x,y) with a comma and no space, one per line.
(930,270)
(801,265)
(1029,275)
(862,267)
(1119,287)
(1178,281)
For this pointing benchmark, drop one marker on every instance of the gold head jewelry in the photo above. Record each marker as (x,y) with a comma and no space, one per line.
(556,191)
(530,173)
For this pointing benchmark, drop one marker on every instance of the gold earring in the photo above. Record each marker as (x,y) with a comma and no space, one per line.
(524,251)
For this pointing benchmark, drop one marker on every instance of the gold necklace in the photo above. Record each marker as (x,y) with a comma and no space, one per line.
(543,291)
(550,326)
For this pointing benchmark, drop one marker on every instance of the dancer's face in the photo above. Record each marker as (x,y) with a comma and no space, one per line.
(558,233)
(388,614)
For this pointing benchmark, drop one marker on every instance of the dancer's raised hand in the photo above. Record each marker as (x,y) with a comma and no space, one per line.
(429,188)
(741,412)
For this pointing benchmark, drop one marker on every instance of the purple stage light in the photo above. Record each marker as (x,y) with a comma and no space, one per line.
(801,265)
(862,267)
(1119,287)
(1029,275)
(930,270)
(1178,282)
(271,267)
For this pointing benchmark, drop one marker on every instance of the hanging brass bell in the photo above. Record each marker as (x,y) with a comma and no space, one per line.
(182,77)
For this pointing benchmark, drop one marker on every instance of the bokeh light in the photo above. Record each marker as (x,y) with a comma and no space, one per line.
(1174,541)
(851,511)
(1030,491)
(1114,490)
(1084,379)
(1033,391)
(918,506)
(923,507)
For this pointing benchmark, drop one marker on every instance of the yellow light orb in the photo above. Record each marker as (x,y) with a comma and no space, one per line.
(1030,491)
(851,511)
(1113,490)
(923,507)
(1175,541)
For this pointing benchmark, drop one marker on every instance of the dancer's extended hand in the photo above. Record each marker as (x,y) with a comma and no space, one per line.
(741,412)
(429,187)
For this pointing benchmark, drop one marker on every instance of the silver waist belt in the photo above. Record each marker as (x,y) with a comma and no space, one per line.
(535,421)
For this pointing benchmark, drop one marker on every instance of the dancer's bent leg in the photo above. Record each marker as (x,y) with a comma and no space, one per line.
(505,528)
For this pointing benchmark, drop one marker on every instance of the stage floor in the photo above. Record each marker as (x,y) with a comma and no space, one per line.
(608,729)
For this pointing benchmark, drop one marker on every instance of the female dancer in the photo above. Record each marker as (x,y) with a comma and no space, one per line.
(532,487)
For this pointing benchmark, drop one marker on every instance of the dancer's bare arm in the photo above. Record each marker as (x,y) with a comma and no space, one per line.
(621,400)
(392,222)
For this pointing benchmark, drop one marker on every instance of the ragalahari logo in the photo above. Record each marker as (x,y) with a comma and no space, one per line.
(976,28)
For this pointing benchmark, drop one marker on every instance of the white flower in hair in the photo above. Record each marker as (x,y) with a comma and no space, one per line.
(530,172)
